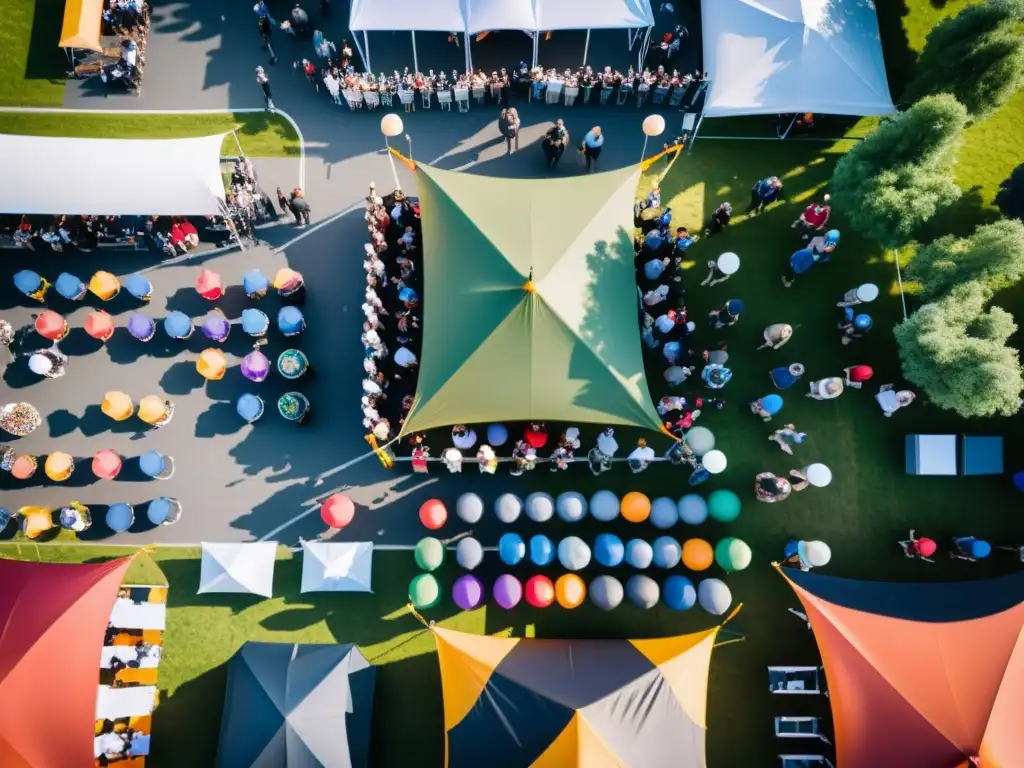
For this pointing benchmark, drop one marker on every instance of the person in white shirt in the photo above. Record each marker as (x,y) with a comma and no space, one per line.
(333,86)
(640,458)
(600,456)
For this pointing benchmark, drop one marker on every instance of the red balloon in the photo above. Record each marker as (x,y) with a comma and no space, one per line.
(433,514)
(51,326)
(926,546)
(338,511)
(540,592)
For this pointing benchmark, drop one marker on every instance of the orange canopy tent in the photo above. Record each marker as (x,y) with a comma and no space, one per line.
(81,27)
(921,674)
(54,617)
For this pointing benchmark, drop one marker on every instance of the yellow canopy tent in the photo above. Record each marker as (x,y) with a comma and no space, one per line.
(81,28)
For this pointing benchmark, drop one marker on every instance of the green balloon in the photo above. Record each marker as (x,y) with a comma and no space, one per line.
(723,506)
(424,591)
(429,553)
(732,554)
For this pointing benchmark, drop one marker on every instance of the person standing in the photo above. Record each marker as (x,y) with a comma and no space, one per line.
(266,26)
(764,193)
(591,146)
(508,125)
(300,207)
(558,137)
(264,83)
(787,437)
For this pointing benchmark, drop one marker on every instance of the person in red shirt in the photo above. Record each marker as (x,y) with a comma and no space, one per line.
(856,375)
(814,218)
(920,548)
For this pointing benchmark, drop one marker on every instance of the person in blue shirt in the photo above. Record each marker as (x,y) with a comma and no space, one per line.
(683,241)
(591,147)
(764,193)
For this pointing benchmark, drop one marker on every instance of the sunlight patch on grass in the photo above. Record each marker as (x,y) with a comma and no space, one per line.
(725,189)
(910,288)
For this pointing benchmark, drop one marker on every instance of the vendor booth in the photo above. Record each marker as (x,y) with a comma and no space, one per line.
(81,27)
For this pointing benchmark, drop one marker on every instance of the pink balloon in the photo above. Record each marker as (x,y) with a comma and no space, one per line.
(468,592)
(508,591)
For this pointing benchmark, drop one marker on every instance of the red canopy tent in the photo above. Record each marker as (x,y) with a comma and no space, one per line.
(52,621)
(921,674)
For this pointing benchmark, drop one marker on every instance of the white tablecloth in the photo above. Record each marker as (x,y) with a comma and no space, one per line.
(127,653)
(112,703)
(129,615)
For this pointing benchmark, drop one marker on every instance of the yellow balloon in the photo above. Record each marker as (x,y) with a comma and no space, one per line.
(570,590)
(698,554)
(635,507)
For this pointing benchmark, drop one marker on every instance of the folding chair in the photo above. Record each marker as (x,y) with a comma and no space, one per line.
(625,91)
(385,98)
(496,93)
(660,94)
(642,92)
(799,728)
(795,680)
(588,89)
(425,94)
(805,761)
(554,92)
(462,99)
(444,98)
(677,96)
(372,99)
(479,93)
(606,93)
(354,99)
(571,92)
(405,96)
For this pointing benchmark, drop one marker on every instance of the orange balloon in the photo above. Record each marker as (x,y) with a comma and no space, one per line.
(697,554)
(433,514)
(570,590)
(635,507)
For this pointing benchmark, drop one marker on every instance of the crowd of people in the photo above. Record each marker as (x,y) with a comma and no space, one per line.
(127,21)
(174,235)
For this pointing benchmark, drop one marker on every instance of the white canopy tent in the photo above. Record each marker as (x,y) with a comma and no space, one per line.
(337,566)
(238,567)
(409,16)
(105,177)
(767,57)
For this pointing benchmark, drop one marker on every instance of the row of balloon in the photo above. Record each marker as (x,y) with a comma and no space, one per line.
(106,465)
(722,506)
(36,521)
(103,285)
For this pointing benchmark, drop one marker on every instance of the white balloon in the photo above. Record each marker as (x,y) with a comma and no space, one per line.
(654,125)
(867,292)
(714,596)
(817,553)
(729,263)
(39,365)
(391,125)
(714,461)
(818,475)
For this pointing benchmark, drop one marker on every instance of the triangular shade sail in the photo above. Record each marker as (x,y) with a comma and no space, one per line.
(530,306)
(238,567)
(574,703)
(778,56)
(337,567)
(53,618)
(301,705)
(925,674)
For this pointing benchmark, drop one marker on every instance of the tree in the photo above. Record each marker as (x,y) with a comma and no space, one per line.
(956,353)
(993,255)
(1010,197)
(977,55)
(902,173)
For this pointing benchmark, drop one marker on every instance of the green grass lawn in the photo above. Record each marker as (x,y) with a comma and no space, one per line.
(32,68)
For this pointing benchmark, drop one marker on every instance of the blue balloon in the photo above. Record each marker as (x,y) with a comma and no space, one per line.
(667,552)
(138,286)
(772,404)
(639,554)
(542,550)
(159,510)
(497,434)
(571,506)
(255,322)
(69,286)
(178,325)
(734,307)
(152,463)
(254,281)
(832,237)
(249,406)
(290,320)
(120,517)
(862,321)
(609,550)
(27,281)
(511,548)
(679,593)
(693,509)
(980,549)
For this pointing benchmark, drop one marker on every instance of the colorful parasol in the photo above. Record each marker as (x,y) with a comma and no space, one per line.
(293,405)
(120,517)
(209,285)
(290,321)
(104,285)
(178,325)
(51,326)
(287,281)
(255,284)
(117,405)
(19,419)
(212,364)
(216,326)
(99,325)
(69,286)
(292,363)
(163,511)
(139,287)
(106,464)
(24,467)
(255,366)
(249,407)
(141,326)
(59,466)
(31,284)
(255,323)
(154,410)
(75,517)
(35,521)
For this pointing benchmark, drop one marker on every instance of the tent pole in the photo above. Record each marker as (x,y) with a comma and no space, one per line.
(536,48)
(366,45)
(643,48)
(644,151)
(362,53)
(238,144)
(696,130)
(469,58)
(586,48)
(415,58)
(408,139)
(391,159)
(790,127)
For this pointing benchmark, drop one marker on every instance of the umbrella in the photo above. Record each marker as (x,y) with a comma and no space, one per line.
(20,418)
(42,363)
(255,284)
(120,517)
(141,326)
(293,406)
(154,464)
(69,286)
(24,467)
(292,363)
(154,410)
(287,281)
(209,285)
(59,466)
(51,326)
(255,366)
(75,517)
(178,325)
(139,287)
(117,405)
(216,326)
(35,521)
(290,321)
(255,322)
(106,464)
(337,511)
(105,285)
(31,284)
(212,364)
(163,511)
(249,407)
(99,325)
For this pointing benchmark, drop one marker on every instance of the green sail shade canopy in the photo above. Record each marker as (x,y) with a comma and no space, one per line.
(530,309)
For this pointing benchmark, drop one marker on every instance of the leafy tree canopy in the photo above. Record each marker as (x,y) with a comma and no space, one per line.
(993,255)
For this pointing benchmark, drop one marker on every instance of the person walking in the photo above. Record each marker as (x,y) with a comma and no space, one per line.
(787,437)
(508,126)
(764,193)
(591,146)
(300,207)
(265,24)
(264,83)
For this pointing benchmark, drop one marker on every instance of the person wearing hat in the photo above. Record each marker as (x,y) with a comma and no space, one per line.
(799,263)
(823,245)
(855,328)
(786,376)
(856,375)
(814,218)
(970,549)
(49,362)
(715,376)
(776,334)
(719,219)
(600,456)
(787,437)
(918,548)
(826,389)
(727,314)
(766,406)
(640,457)
(769,488)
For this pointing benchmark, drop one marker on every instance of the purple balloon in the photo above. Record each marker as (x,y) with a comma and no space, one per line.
(468,592)
(255,366)
(140,326)
(216,326)
(508,591)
